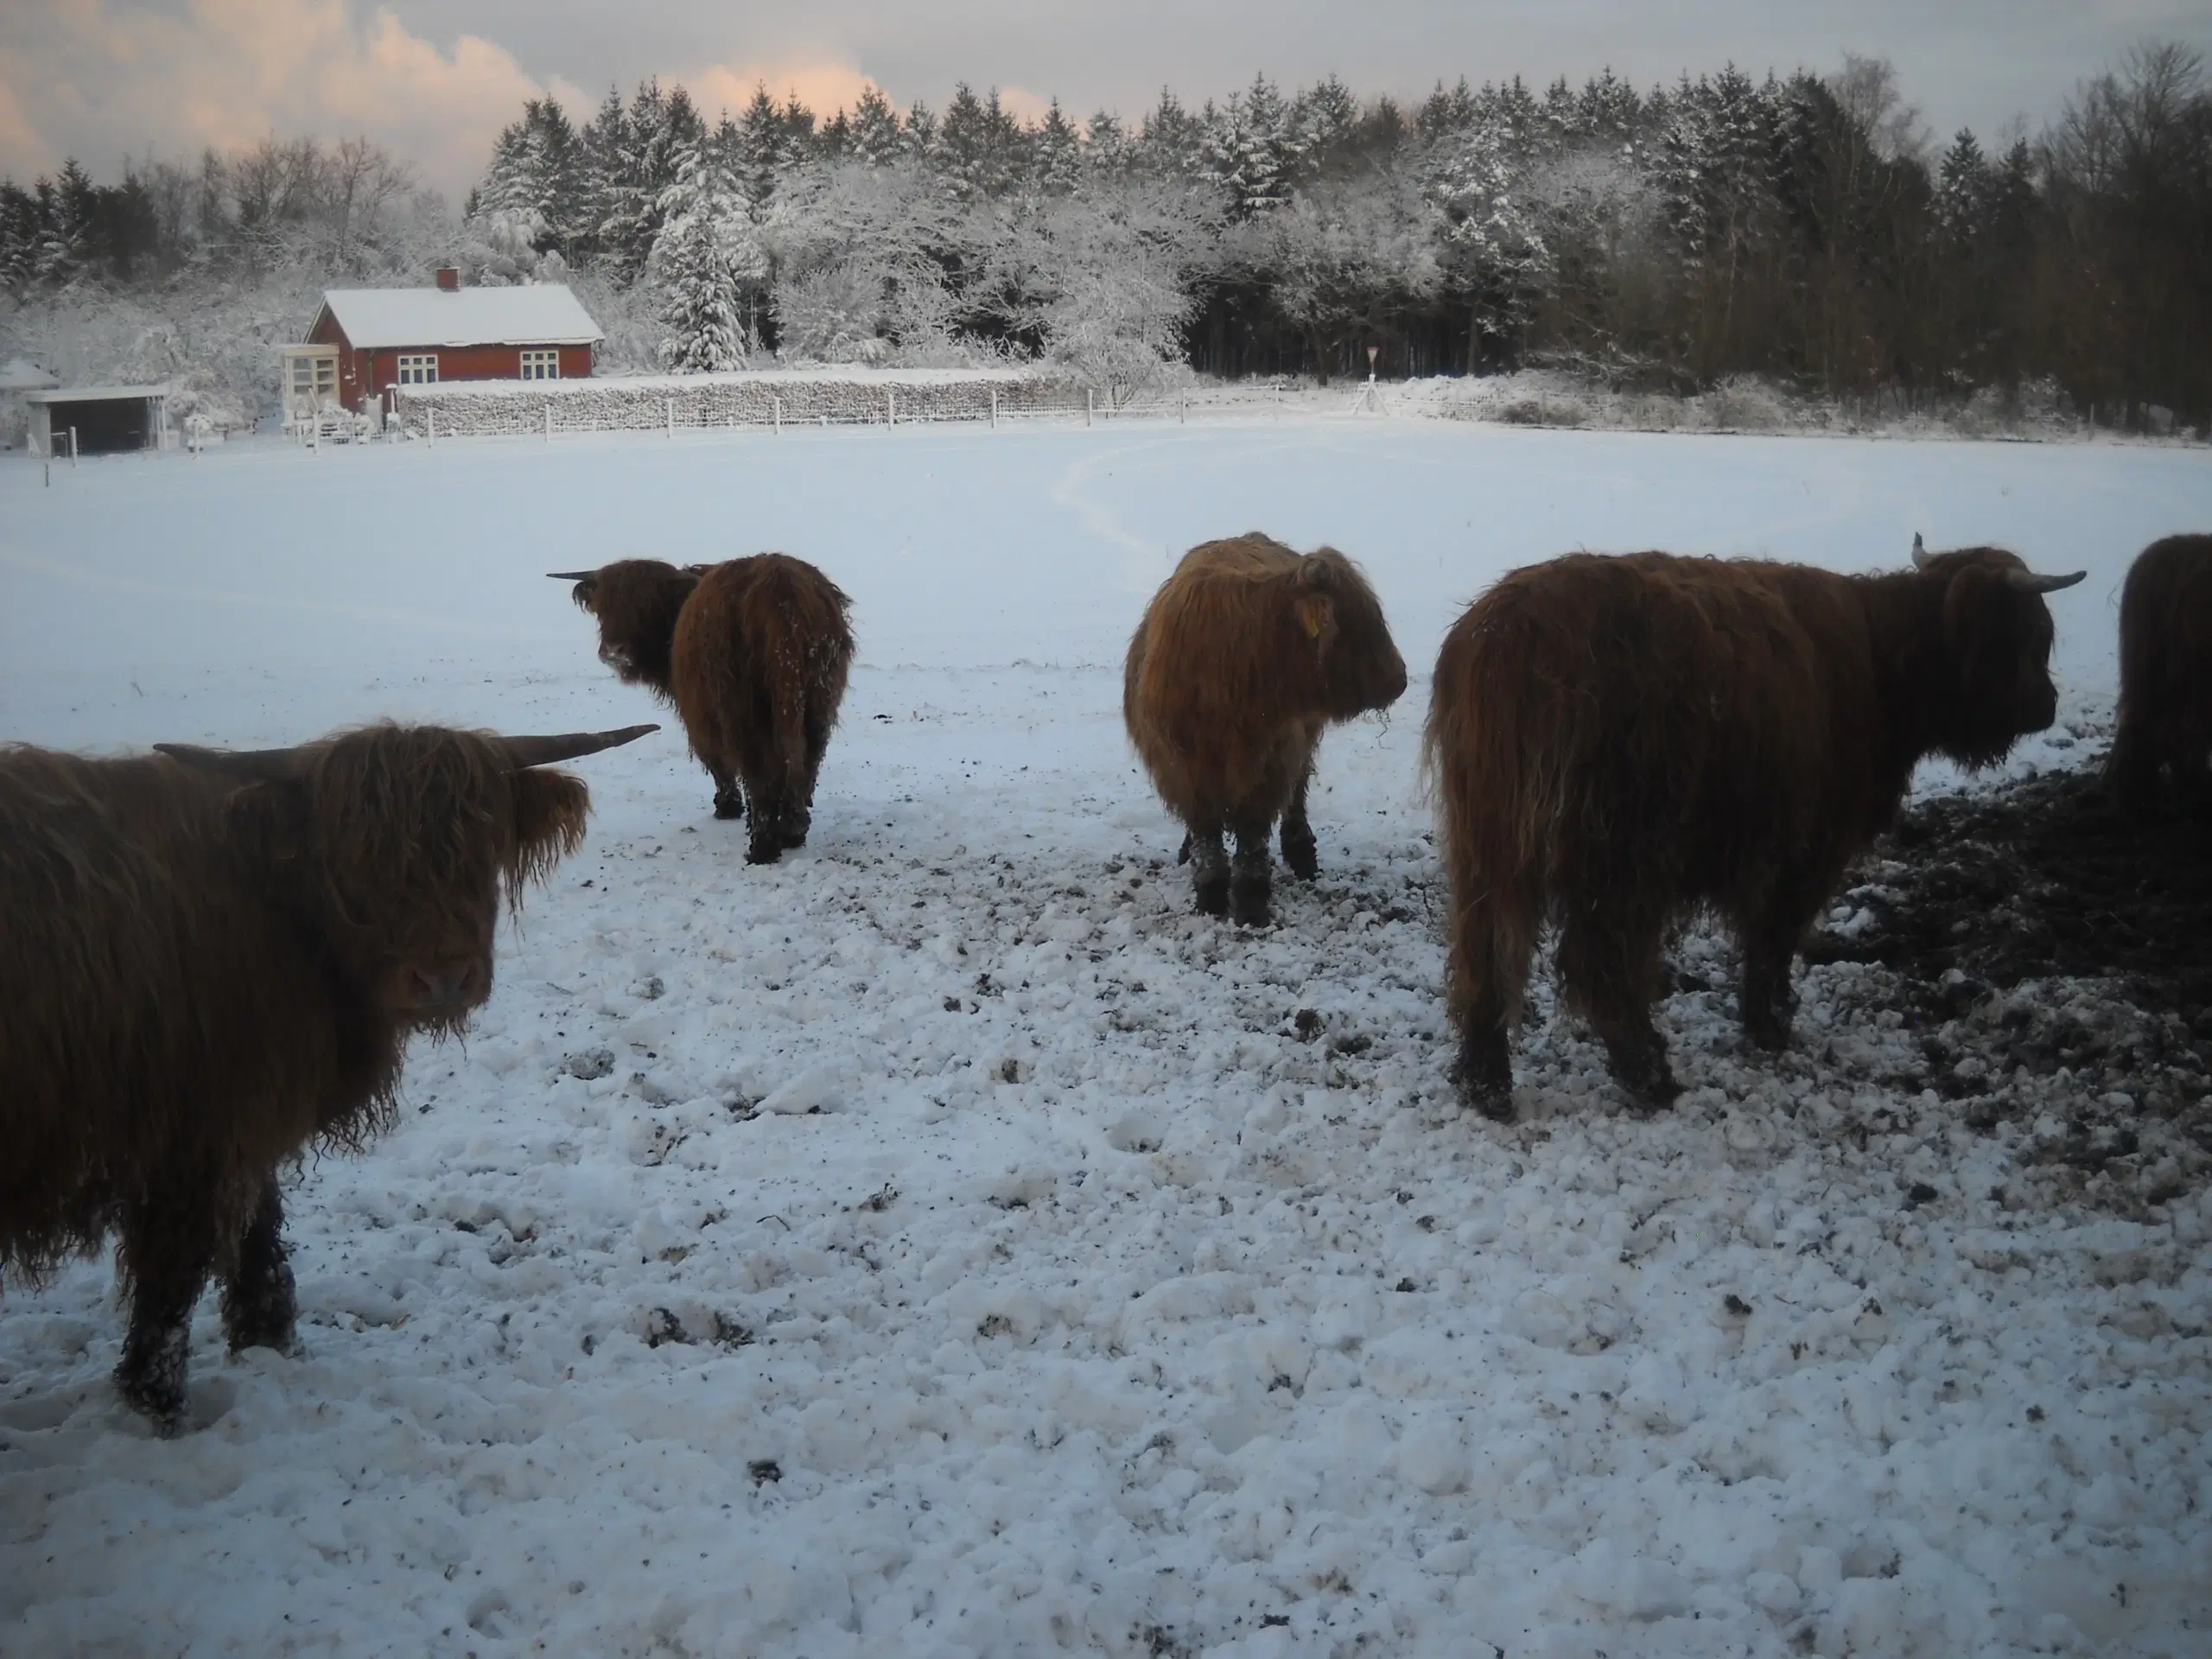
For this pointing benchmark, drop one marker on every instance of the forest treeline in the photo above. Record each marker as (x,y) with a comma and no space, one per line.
(1799,226)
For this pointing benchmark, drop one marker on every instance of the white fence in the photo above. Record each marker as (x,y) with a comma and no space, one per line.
(648,403)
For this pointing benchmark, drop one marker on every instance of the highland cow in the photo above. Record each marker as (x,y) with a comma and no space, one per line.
(2165,677)
(1247,652)
(753,655)
(1617,740)
(214,962)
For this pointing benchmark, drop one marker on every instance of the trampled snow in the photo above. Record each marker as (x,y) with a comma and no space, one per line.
(942,1243)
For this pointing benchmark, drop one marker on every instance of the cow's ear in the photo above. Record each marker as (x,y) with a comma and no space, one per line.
(1317,618)
(271,820)
(550,808)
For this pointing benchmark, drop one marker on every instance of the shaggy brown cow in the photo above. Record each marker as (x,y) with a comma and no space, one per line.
(1245,654)
(214,960)
(2165,677)
(753,655)
(1618,739)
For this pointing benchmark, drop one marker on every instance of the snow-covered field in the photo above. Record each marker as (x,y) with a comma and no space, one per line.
(943,1243)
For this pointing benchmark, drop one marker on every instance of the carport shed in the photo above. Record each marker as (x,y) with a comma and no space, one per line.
(107,420)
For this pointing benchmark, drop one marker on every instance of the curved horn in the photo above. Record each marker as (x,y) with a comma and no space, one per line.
(523,752)
(262,766)
(2027,581)
(1919,552)
(572,576)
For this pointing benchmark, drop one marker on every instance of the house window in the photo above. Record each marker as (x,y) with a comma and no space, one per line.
(541,366)
(418,370)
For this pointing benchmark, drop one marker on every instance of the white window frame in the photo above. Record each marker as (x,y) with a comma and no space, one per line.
(418,369)
(541,363)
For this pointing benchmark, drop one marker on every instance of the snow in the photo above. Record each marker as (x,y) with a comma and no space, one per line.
(534,314)
(942,1243)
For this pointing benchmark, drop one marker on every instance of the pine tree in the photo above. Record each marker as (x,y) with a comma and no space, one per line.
(875,136)
(1106,149)
(66,215)
(763,146)
(19,236)
(1252,150)
(1056,153)
(705,257)
(1172,141)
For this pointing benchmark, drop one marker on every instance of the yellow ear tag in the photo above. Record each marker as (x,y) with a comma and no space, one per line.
(1311,616)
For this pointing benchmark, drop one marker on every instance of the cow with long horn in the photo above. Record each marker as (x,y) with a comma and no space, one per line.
(1617,740)
(214,960)
(753,654)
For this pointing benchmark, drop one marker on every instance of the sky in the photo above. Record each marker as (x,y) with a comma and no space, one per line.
(434,80)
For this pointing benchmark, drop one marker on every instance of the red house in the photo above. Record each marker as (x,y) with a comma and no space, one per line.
(364,340)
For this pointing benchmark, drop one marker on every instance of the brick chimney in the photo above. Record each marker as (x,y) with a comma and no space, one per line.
(449,279)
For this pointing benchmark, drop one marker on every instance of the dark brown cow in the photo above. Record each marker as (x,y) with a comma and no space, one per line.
(1245,654)
(753,655)
(1618,739)
(213,961)
(2165,677)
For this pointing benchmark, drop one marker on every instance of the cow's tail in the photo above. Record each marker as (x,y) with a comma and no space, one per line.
(1485,747)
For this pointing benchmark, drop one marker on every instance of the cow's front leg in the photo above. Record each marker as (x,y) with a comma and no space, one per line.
(260,1306)
(729,799)
(1300,853)
(1209,871)
(1251,875)
(167,1247)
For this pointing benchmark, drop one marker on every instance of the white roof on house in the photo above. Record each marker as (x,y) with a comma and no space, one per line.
(541,314)
(95,394)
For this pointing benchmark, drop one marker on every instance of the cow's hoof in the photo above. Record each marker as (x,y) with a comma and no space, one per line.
(1183,853)
(1489,1100)
(1649,1088)
(1251,907)
(1211,899)
(1301,856)
(158,1400)
(793,834)
(764,852)
(729,806)
(1770,1034)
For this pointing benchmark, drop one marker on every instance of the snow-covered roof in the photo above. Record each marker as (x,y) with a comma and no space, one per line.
(540,313)
(95,394)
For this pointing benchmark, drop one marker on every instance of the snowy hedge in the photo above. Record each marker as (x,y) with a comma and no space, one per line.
(843,396)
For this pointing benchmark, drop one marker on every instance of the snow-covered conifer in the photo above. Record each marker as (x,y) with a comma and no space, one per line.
(705,257)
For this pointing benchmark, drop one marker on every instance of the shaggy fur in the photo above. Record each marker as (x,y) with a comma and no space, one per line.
(1618,739)
(204,978)
(753,654)
(1247,652)
(2165,677)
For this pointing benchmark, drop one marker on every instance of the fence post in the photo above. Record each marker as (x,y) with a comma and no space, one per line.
(779,415)
(1182,407)
(1089,404)
(891,406)
(671,418)
(72,445)
(548,422)
(994,408)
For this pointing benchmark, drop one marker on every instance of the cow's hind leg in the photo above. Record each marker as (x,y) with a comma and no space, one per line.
(1483,1070)
(167,1247)
(1609,961)
(1300,853)
(729,799)
(768,797)
(260,1308)
(1209,871)
(1251,874)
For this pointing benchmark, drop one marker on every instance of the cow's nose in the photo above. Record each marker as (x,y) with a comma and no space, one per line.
(441,988)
